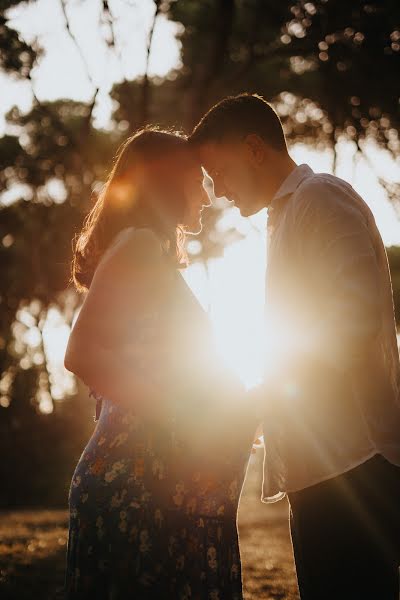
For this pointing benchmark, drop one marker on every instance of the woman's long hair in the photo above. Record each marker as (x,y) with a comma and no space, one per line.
(144,189)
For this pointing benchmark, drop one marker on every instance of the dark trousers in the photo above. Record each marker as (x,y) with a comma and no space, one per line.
(346,534)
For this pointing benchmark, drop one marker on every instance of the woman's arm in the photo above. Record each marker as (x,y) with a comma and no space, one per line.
(102,370)
(126,292)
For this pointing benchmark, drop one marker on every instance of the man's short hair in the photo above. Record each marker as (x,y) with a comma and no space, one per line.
(237,116)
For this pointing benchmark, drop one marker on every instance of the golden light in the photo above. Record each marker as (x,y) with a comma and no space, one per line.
(232,292)
(55,337)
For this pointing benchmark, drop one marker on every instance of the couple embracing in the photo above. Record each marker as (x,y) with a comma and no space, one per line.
(154,497)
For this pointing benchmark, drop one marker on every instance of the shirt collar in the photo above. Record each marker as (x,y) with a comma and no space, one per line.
(292,182)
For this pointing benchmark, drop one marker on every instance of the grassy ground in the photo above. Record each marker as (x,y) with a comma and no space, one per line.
(33,547)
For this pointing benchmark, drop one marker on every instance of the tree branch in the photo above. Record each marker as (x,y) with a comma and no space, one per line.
(109,19)
(77,46)
(145,95)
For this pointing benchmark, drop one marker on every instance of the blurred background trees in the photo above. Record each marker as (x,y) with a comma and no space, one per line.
(331,69)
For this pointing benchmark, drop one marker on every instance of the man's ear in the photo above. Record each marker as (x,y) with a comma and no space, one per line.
(256,147)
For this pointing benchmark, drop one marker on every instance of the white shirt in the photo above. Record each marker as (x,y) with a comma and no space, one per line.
(333,385)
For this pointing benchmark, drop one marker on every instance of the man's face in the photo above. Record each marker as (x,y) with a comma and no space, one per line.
(236,168)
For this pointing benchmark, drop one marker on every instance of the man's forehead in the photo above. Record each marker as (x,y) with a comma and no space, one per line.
(212,152)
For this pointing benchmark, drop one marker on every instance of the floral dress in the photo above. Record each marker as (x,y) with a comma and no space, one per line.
(153,502)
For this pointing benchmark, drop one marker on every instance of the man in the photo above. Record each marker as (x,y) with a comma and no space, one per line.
(331,399)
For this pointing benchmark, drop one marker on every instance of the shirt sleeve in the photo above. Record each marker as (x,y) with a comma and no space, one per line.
(335,247)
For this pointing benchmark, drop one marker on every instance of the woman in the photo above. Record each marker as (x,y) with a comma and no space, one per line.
(154,496)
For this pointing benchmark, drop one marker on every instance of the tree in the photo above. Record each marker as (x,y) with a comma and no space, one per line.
(317,61)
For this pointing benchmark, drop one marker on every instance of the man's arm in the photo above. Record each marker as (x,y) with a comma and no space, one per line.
(336,250)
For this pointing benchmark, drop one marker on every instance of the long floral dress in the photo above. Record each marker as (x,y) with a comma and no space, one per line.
(153,502)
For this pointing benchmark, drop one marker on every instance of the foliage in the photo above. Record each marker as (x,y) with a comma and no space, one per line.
(316,60)
(40,451)
(23,56)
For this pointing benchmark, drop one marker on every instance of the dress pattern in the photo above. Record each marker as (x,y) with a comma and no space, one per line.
(146,521)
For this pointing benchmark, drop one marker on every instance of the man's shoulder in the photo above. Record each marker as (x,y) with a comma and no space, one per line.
(326,182)
(326,192)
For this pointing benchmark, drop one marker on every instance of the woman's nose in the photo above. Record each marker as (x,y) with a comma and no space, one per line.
(205,198)
(219,189)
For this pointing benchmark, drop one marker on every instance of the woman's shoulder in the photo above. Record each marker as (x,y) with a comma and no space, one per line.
(134,246)
(140,239)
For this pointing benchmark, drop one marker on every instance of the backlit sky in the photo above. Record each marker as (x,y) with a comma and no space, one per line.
(61,73)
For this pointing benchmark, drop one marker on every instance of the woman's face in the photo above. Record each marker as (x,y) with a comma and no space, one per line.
(196,198)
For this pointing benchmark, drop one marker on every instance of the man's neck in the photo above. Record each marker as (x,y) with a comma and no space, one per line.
(281,170)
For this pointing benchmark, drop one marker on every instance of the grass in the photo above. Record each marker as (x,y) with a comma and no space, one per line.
(33,549)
